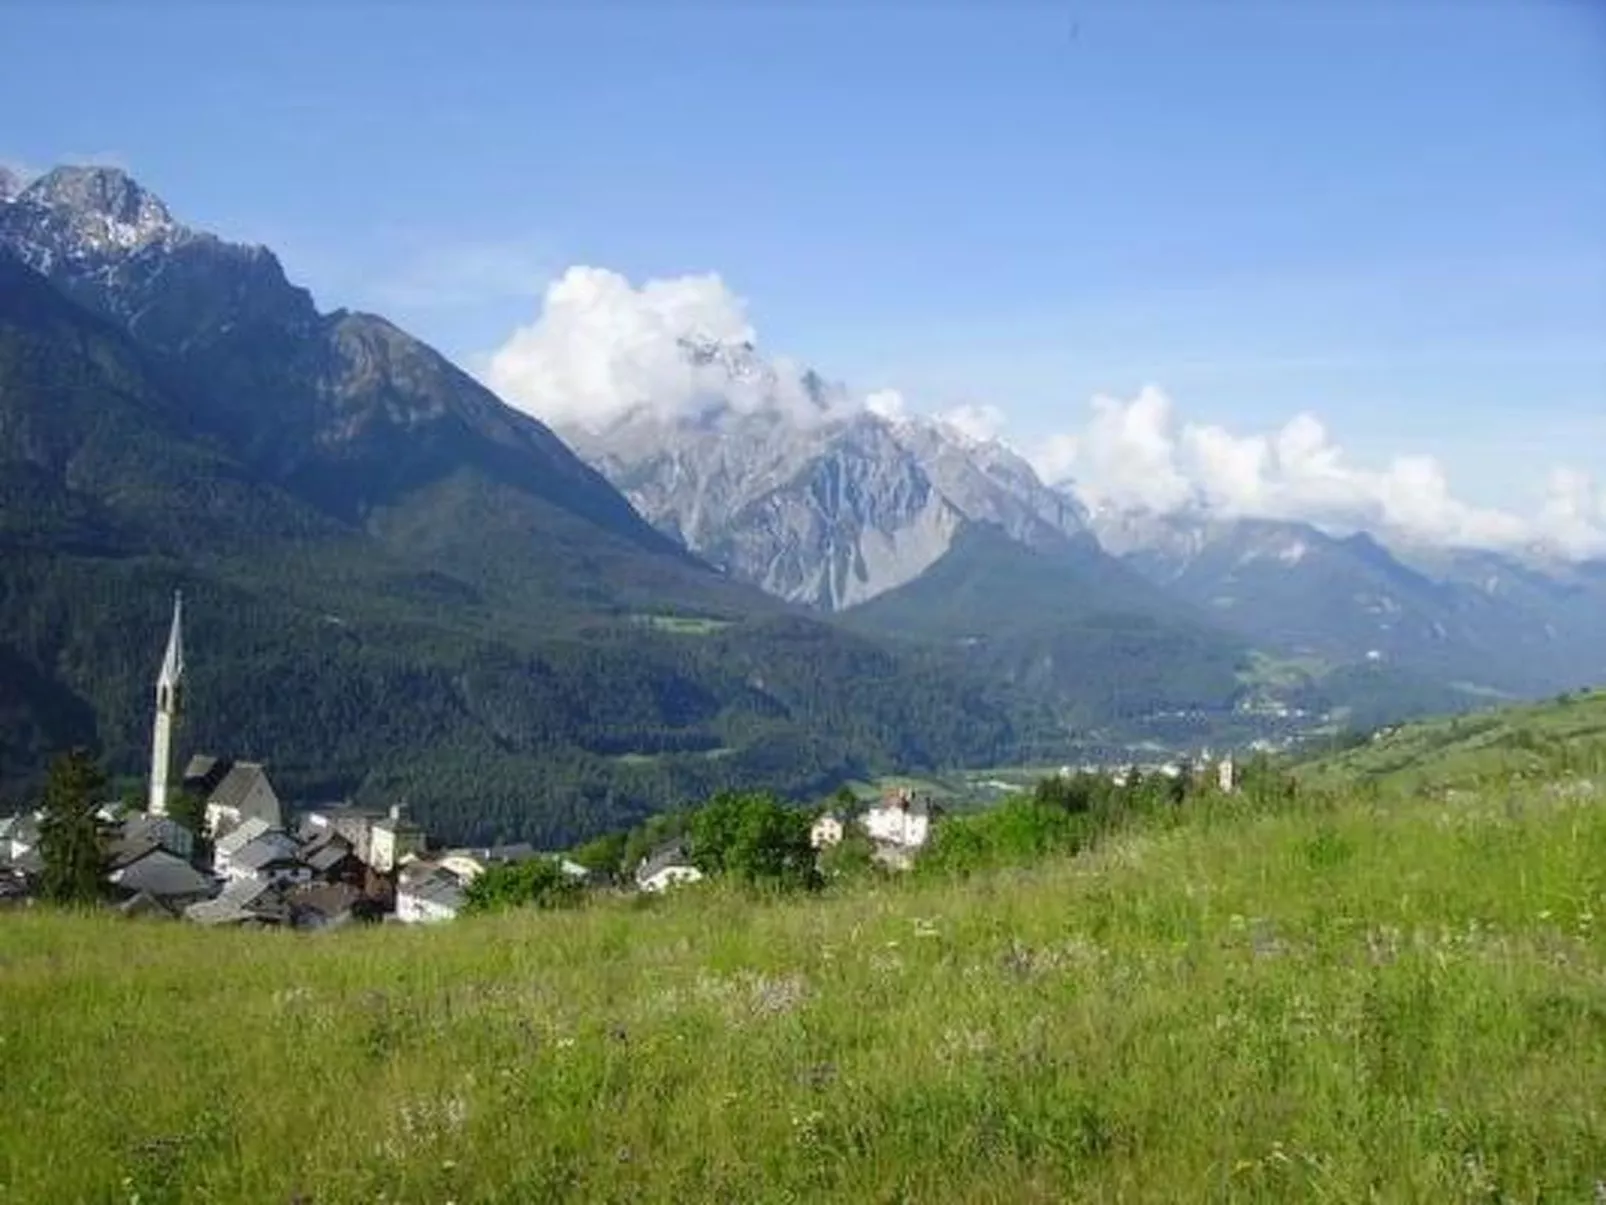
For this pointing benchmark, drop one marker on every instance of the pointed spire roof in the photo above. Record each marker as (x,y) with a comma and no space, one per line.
(173,661)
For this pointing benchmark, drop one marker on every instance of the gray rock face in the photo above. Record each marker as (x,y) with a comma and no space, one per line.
(343,408)
(829,508)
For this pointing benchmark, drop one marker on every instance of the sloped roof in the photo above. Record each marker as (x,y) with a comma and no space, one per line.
(161,874)
(263,852)
(330,900)
(204,772)
(237,784)
(326,852)
(238,838)
(440,887)
(239,901)
(137,836)
(673,853)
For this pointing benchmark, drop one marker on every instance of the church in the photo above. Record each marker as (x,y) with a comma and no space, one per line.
(234,791)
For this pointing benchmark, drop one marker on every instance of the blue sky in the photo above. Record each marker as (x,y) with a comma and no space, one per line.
(1390,214)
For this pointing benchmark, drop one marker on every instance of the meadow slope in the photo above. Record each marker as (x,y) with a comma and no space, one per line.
(1343,1002)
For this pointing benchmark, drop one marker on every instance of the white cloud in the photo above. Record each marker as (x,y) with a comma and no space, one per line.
(1137,455)
(602,347)
(982,423)
(887,404)
(1574,513)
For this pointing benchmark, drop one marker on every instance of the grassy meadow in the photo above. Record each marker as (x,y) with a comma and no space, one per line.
(1511,747)
(1341,1002)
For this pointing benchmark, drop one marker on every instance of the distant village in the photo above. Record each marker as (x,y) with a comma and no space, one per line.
(257,863)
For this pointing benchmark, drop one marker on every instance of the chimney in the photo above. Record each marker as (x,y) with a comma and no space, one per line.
(395,811)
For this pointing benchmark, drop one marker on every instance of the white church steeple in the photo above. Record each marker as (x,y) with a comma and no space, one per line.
(169,708)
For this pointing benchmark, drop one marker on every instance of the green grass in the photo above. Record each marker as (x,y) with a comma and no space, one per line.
(1558,741)
(1340,1003)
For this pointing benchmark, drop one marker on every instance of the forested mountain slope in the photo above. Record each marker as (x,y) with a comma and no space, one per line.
(396,585)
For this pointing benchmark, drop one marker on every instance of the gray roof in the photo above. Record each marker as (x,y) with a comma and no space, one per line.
(438,887)
(161,874)
(327,852)
(266,850)
(674,853)
(204,772)
(237,784)
(239,901)
(329,900)
(236,839)
(137,836)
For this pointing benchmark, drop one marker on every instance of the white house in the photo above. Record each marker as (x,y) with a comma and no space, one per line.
(826,831)
(668,866)
(428,893)
(899,819)
(390,841)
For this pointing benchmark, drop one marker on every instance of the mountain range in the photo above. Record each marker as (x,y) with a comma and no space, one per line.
(398,585)
(401,586)
(850,511)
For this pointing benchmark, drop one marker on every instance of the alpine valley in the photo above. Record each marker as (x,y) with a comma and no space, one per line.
(397,585)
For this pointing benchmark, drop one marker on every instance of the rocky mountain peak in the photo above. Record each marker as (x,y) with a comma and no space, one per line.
(788,483)
(101,209)
(10,183)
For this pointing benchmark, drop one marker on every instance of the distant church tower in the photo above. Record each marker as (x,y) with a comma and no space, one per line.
(169,708)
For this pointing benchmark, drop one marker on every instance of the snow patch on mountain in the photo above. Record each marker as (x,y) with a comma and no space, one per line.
(100,210)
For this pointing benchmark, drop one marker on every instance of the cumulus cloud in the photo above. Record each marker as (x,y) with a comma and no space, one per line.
(982,423)
(1574,513)
(887,404)
(1137,454)
(603,347)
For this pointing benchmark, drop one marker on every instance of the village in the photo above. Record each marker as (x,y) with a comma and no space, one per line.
(258,862)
